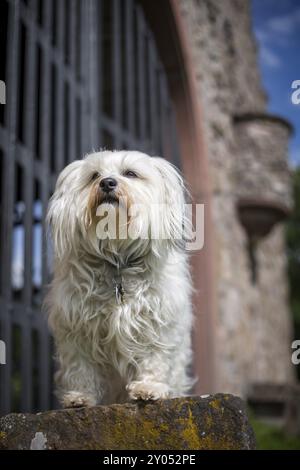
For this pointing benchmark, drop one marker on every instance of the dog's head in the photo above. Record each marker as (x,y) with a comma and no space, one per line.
(123,198)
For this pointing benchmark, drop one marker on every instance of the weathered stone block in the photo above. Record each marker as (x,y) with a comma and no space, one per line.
(208,422)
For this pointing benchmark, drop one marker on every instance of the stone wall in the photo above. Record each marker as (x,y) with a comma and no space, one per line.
(253,321)
(261,165)
(190,423)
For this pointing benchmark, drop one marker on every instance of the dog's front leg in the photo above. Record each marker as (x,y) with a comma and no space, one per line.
(151,382)
(78,380)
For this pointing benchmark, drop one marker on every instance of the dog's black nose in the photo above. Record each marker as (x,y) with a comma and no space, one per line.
(108,184)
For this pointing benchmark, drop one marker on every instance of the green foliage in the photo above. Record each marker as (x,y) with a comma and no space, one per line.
(271,438)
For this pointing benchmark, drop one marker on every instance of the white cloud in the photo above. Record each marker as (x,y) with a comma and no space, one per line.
(285,24)
(262,36)
(277,31)
(269,58)
(269,37)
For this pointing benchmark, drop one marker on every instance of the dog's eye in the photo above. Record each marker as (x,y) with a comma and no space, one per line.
(95,176)
(130,174)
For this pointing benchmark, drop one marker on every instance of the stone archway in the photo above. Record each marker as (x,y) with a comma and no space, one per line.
(168,27)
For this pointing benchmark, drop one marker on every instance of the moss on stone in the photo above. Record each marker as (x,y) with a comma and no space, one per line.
(215,422)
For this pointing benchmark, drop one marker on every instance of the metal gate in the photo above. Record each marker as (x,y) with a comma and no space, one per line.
(80,75)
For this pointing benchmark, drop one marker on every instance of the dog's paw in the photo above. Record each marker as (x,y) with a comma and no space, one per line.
(147,390)
(77,399)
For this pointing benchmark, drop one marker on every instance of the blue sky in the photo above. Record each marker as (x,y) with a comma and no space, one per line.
(277,29)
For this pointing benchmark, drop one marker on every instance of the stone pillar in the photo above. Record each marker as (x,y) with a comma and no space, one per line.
(263,194)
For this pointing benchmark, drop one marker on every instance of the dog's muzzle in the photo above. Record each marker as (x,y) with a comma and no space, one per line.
(108,184)
(107,188)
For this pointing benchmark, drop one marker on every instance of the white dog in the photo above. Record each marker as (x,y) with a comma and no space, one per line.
(119,306)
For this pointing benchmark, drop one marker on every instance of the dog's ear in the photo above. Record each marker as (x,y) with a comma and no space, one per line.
(173,200)
(61,216)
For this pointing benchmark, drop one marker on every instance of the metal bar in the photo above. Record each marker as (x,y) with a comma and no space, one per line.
(106,65)
(54,22)
(45,99)
(152,101)
(6,10)
(141,73)
(158,108)
(55,54)
(66,122)
(72,34)
(4,140)
(66,31)
(8,200)
(167,151)
(78,39)
(98,55)
(78,132)
(18,317)
(72,128)
(36,125)
(59,98)
(70,107)
(72,118)
(47,125)
(43,39)
(3,41)
(40,11)
(52,109)
(130,99)
(44,366)
(43,334)
(116,63)
(146,65)
(2,215)
(160,93)
(31,115)
(114,128)
(90,32)
(26,368)
(21,123)
(85,78)
(23,154)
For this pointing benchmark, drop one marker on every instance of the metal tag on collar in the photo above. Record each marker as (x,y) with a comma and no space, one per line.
(119,291)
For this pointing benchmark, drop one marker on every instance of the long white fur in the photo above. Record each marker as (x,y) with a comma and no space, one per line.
(141,349)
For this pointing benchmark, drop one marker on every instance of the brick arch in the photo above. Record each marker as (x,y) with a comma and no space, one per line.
(169,31)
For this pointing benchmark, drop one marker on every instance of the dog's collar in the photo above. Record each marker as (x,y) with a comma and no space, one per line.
(118,287)
(118,281)
(117,277)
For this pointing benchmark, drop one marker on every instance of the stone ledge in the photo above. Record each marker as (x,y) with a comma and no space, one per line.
(208,422)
